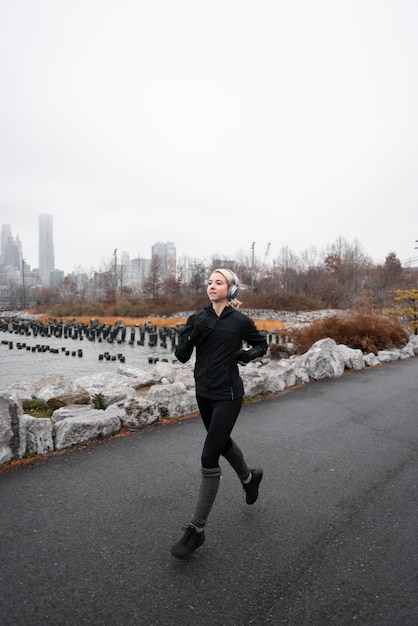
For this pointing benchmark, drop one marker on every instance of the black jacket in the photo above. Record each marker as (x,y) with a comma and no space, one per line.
(216,371)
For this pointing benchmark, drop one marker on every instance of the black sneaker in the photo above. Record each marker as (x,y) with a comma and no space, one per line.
(190,541)
(251,488)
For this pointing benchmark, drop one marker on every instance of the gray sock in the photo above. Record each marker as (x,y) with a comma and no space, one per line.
(209,486)
(235,458)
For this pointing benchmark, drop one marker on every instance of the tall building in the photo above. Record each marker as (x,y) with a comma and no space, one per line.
(10,257)
(46,248)
(167,254)
(6,233)
(139,269)
(13,253)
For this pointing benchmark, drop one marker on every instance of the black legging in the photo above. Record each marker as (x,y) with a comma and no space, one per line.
(219,419)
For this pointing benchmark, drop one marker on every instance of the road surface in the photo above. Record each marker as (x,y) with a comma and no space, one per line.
(85,535)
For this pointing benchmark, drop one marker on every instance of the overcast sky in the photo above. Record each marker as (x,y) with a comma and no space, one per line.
(213,124)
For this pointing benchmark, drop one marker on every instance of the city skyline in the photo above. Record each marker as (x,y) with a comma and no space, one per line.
(16,269)
(48,258)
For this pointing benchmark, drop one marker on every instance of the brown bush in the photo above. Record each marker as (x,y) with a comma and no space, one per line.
(278,351)
(366,331)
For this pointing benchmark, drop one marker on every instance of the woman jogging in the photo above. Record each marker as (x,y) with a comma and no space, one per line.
(217,333)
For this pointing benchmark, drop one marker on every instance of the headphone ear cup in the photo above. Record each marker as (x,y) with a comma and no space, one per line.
(232,292)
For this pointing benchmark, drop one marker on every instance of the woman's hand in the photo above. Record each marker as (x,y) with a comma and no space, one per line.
(243,356)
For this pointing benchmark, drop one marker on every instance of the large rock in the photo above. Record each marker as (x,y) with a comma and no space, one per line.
(284,374)
(38,434)
(388,356)
(79,396)
(49,380)
(254,379)
(173,400)
(12,430)
(52,385)
(413,342)
(84,424)
(70,411)
(353,358)
(112,387)
(24,390)
(97,383)
(164,370)
(184,374)
(131,372)
(370,360)
(139,412)
(323,360)
(411,349)
(137,378)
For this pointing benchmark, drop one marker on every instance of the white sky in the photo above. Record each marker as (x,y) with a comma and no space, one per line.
(212,124)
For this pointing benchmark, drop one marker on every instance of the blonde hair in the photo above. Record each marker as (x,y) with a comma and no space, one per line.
(232,279)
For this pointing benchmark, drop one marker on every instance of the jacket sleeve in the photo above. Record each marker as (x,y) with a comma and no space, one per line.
(184,350)
(256,339)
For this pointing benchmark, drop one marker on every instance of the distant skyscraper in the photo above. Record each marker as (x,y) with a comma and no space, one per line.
(13,255)
(46,248)
(10,248)
(167,254)
(6,233)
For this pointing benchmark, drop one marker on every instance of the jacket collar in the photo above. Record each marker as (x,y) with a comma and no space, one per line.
(226,311)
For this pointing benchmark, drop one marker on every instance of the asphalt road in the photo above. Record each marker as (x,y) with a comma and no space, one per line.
(85,535)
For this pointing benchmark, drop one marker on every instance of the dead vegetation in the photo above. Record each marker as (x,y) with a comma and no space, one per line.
(366,331)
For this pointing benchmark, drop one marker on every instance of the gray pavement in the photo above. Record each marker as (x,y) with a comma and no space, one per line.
(332,540)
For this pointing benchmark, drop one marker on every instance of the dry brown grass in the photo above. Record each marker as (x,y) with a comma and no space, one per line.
(265,324)
(129,321)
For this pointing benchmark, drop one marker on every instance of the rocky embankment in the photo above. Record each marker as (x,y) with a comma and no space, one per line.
(133,399)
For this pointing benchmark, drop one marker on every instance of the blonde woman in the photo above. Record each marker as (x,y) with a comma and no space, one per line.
(217,333)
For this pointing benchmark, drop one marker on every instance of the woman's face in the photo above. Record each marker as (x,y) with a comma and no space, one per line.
(217,287)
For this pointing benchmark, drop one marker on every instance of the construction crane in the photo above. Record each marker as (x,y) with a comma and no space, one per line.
(264,267)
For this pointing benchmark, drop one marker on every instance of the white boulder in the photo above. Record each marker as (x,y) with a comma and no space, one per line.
(84,424)
(388,356)
(413,342)
(139,412)
(353,358)
(173,400)
(12,430)
(38,434)
(323,360)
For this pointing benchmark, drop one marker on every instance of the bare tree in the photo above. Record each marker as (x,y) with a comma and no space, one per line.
(197,276)
(153,282)
(348,268)
(385,279)
(170,282)
(287,268)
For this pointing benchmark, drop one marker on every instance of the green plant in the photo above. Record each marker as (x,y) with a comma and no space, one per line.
(37,408)
(98,401)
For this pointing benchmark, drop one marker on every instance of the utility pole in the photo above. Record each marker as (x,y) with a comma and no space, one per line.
(23,284)
(116,277)
(252,266)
